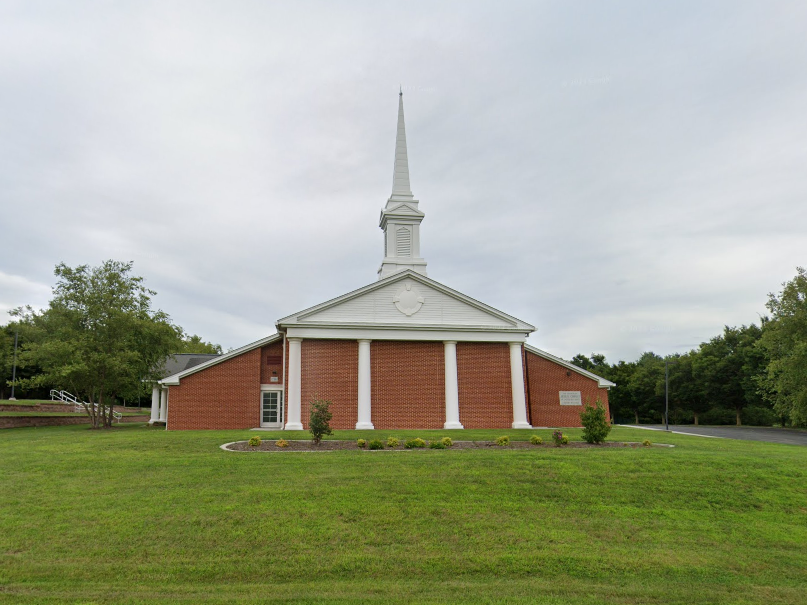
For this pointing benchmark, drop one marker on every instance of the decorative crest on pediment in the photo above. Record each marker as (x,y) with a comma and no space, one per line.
(408,300)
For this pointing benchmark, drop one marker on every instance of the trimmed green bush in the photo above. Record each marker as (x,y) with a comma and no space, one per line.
(392,442)
(375,444)
(536,440)
(503,440)
(564,440)
(320,419)
(254,441)
(361,443)
(646,443)
(415,443)
(595,424)
(282,443)
(437,445)
(446,441)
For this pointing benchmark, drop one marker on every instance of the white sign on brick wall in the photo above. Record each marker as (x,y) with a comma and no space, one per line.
(570,398)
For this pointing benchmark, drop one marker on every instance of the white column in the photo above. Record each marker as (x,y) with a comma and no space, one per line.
(365,387)
(164,404)
(517,382)
(155,403)
(452,387)
(293,422)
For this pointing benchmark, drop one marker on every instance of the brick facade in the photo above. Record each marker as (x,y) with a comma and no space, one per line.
(330,370)
(408,381)
(223,396)
(485,388)
(545,380)
(408,386)
(272,363)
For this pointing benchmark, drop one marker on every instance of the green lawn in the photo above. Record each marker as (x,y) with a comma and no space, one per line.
(141,515)
(60,414)
(25,401)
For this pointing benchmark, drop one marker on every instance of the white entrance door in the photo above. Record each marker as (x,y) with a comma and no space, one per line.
(272,409)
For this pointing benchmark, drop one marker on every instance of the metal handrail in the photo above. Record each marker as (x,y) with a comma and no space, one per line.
(79,406)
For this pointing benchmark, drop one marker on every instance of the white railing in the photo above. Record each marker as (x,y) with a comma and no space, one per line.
(78,405)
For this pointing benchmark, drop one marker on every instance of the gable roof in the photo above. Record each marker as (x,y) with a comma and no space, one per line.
(406,299)
(603,383)
(173,379)
(178,362)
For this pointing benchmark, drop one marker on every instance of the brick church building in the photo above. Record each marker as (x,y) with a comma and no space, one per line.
(404,352)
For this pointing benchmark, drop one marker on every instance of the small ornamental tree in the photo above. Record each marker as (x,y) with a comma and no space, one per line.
(319,423)
(595,424)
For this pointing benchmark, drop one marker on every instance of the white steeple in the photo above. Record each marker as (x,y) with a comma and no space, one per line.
(400,218)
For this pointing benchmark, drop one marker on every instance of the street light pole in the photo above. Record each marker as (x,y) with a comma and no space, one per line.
(14,369)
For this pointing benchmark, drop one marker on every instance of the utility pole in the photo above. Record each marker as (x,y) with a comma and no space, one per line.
(14,368)
(666,395)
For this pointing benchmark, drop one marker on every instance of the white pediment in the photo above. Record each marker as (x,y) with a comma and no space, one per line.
(411,300)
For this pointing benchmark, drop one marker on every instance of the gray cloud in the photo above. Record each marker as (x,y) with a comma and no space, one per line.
(623,176)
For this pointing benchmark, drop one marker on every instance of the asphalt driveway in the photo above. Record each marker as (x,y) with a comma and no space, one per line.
(745,433)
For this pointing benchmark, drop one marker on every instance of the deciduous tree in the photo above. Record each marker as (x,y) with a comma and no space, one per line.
(784,340)
(99,338)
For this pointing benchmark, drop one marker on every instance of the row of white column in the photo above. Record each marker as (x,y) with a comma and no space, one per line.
(159,404)
(365,386)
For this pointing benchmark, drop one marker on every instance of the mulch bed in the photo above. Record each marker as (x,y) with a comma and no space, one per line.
(269,445)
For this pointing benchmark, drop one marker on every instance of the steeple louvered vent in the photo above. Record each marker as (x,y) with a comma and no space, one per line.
(403,242)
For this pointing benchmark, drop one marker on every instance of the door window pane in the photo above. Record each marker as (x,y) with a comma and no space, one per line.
(271,408)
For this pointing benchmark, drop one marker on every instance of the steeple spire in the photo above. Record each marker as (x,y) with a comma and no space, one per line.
(400,176)
(401,218)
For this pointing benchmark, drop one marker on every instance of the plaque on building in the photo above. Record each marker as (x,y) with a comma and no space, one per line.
(570,398)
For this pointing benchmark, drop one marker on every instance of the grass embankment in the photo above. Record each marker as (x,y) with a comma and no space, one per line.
(142,515)
(25,401)
(27,414)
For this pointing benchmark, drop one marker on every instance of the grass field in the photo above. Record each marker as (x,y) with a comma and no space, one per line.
(25,401)
(141,515)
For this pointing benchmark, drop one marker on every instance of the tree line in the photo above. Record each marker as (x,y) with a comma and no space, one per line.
(755,374)
(99,338)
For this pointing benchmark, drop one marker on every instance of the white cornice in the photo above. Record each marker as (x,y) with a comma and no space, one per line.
(404,333)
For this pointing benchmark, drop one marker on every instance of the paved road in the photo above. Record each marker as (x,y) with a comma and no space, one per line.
(746,433)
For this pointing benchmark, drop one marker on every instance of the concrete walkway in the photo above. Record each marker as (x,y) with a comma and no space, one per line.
(745,433)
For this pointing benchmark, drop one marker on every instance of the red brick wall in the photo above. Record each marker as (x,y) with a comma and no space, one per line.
(486,392)
(330,370)
(546,379)
(274,350)
(408,389)
(223,396)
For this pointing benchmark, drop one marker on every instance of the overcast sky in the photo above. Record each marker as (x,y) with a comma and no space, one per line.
(625,176)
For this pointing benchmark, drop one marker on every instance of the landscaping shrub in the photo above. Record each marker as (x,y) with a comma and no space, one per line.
(282,443)
(375,444)
(361,443)
(595,424)
(392,442)
(536,440)
(503,440)
(564,440)
(557,437)
(446,441)
(415,443)
(437,445)
(646,443)
(254,441)
(320,419)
